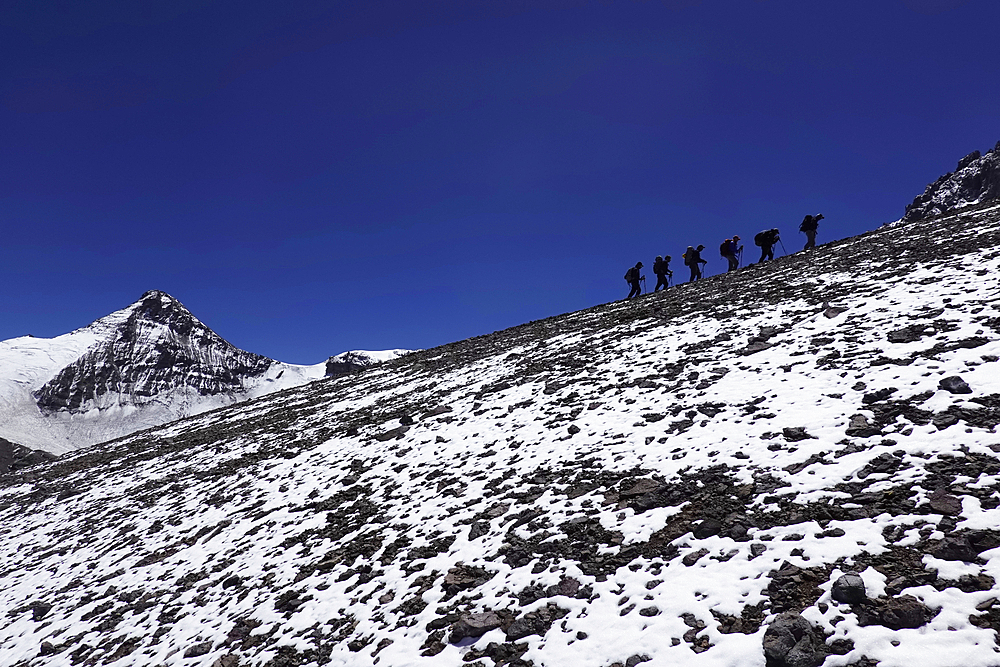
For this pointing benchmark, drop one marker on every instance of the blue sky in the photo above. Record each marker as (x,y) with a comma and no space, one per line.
(312,177)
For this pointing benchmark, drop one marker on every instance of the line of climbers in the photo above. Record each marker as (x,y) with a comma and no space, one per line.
(731,251)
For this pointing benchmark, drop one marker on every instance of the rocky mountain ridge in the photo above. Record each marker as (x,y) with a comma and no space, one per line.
(976,180)
(793,464)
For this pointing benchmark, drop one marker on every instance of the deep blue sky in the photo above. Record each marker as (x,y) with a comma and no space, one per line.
(309,179)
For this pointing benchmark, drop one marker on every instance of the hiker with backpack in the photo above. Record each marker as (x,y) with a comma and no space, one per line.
(730,250)
(808,227)
(633,278)
(693,260)
(766,240)
(661,267)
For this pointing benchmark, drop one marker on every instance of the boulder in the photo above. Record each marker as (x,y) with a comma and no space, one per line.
(796,433)
(905,612)
(474,625)
(707,528)
(535,623)
(943,502)
(198,650)
(954,547)
(849,588)
(955,385)
(859,427)
(792,641)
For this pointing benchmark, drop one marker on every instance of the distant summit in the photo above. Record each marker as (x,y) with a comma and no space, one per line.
(976,180)
(158,347)
(139,367)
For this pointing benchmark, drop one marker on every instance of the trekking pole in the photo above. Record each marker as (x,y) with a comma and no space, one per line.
(783,251)
(642,281)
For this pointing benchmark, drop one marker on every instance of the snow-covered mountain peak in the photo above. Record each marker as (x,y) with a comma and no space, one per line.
(158,347)
(976,180)
(144,365)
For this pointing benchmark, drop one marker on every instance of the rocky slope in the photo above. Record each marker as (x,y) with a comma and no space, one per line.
(143,366)
(976,180)
(794,464)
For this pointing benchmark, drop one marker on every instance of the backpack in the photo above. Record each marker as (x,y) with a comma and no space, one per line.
(631,275)
(726,248)
(658,267)
(688,256)
(762,239)
(809,224)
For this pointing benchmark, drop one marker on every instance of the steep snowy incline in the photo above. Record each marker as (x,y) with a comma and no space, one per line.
(666,481)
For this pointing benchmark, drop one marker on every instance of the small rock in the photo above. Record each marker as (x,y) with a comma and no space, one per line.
(228,660)
(198,650)
(944,503)
(47,648)
(943,420)
(693,557)
(955,385)
(757,549)
(849,589)
(860,428)
(474,625)
(567,586)
(796,433)
(534,623)
(876,396)
(392,434)
(573,429)
(954,547)
(40,610)
(905,612)
(986,604)
(707,528)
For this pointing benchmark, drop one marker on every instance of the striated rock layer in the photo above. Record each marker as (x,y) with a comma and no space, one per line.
(158,346)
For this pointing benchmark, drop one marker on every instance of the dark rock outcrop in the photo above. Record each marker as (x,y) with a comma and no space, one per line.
(15,457)
(976,179)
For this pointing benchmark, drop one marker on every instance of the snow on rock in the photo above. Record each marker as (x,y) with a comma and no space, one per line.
(975,180)
(143,366)
(637,483)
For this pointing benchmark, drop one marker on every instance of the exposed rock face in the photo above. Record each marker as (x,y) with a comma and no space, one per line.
(159,347)
(16,457)
(976,179)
